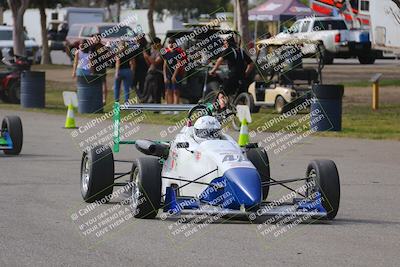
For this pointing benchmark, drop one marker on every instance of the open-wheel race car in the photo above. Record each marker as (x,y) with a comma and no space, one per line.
(203,170)
(11,135)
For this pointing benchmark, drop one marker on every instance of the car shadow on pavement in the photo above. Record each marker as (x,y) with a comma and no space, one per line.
(364,221)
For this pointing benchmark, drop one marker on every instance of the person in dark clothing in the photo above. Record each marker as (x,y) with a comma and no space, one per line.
(123,70)
(154,83)
(173,70)
(140,67)
(100,60)
(240,66)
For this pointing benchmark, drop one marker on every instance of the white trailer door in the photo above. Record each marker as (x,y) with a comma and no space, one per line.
(385,25)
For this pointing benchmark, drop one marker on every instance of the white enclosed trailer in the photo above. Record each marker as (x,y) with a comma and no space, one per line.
(385,25)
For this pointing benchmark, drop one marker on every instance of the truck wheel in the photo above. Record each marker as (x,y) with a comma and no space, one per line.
(146,188)
(259,157)
(326,178)
(248,100)
(327,57)
(14,92)
(366,59)
(281,106)
(97,174)
(13,126)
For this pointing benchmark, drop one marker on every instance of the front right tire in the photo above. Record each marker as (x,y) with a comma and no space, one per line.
(325,175)
(146,188)
(259,157)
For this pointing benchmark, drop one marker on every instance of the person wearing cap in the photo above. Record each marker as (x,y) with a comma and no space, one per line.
(240,66)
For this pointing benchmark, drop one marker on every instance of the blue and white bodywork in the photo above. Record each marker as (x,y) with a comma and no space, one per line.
(225,165)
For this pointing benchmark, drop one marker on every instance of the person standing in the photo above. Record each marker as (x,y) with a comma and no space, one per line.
(173,70)
(123,70)
(240,66)
(81,66)
(140,67)
(154,83)
(100,60)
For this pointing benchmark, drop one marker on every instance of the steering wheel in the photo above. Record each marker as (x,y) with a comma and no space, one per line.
(199,107)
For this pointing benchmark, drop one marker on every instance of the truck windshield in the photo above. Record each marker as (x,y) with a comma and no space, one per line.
(8,36)
(327,25)
(115,32)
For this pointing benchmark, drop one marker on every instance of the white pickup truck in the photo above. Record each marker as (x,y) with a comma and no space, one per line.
(337,39)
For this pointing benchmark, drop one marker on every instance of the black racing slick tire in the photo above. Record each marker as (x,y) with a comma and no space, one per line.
(97,174)
(13,125)
(259,157)
(326,178)
(146,188)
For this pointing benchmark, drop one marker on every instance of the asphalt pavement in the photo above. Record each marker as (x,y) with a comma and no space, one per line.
(43,218)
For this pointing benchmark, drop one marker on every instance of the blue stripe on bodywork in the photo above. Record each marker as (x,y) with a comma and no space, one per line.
(242,186)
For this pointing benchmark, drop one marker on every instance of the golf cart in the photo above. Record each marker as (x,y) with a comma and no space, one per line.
(282,81)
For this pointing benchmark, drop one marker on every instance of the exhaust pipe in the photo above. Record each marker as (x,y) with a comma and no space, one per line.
(152,148)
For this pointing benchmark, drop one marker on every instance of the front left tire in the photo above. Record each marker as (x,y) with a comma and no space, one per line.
(325,175)
(97,174)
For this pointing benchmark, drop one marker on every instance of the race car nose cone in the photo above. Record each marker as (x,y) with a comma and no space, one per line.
(245,185)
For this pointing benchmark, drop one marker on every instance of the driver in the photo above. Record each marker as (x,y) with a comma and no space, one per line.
(207,128)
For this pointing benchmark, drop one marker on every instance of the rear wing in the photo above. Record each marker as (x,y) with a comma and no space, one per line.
(144,107)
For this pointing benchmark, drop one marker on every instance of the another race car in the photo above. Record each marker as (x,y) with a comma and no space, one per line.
(203,170)
(11,135)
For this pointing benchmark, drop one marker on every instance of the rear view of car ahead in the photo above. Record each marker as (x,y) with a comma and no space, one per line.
(203,170)
(11,135)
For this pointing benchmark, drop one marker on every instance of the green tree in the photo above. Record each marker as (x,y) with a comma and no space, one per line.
(243,20)
(150,12)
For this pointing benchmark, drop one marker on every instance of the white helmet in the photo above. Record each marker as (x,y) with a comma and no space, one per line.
(207,128)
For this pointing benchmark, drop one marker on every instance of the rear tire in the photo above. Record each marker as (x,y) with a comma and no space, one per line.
(13,125)
(326,177)
(259,157)
(97,173)
(146,188)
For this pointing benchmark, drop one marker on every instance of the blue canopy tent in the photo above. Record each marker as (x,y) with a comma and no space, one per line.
(279,10)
